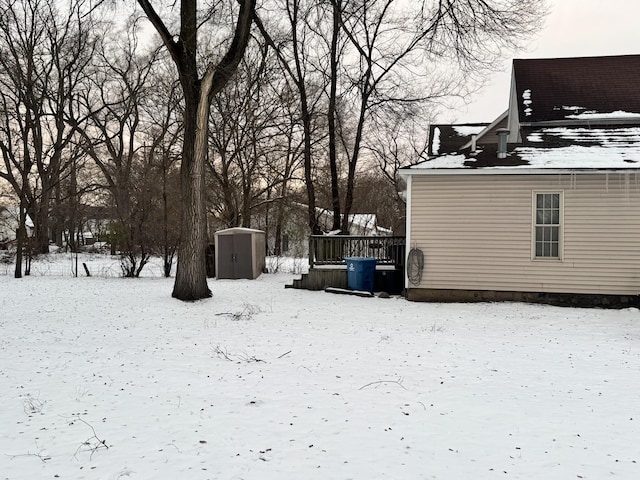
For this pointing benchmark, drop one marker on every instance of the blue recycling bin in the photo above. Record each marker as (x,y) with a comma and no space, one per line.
(360,273)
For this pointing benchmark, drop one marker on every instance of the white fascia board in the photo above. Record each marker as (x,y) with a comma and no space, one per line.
(513,122)
(513,171)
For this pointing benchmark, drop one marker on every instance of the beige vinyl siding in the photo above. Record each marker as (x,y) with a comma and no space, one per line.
(476,233)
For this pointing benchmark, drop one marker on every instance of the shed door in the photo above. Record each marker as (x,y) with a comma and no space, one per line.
(243,264)
(225,269)
(234,257)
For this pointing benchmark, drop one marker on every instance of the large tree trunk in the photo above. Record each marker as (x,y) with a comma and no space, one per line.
(191,273)
(20,238)
(41,224)
(333,154)
(308,177)
(351,176)
(167,250)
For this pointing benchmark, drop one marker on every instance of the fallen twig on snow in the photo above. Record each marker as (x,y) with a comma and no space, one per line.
(379,382)
(247,313)
(32,405)
(38,454)
(92,443)
(238,358)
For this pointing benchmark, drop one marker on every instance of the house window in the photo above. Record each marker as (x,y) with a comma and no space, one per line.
(548,225)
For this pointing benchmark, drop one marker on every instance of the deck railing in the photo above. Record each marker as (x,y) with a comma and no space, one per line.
(332,249)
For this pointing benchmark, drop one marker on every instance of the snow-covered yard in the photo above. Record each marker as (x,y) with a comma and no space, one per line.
(107,378)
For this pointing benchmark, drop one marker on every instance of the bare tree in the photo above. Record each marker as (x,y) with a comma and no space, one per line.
(371,57)
(164,162)
(198,90)
(283,168)
(72,210)
(335,55)
(247,139)
(114,137)
(44,50)
(164,134)
(297,43)
(401,47)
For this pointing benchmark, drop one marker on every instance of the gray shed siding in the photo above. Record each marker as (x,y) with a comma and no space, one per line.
(240,253)
(476,233)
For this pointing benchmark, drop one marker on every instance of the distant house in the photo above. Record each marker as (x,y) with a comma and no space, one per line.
(360,224)
(543,203)
(9,225)
(295,228)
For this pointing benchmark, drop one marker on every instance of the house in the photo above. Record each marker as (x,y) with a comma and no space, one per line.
(543,204)
(360,224)
(9,225)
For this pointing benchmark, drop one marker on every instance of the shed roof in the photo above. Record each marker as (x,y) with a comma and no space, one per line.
(234,230)
(590,88)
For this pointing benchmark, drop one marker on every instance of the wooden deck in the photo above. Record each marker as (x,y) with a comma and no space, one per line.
(328,268)
(333,249)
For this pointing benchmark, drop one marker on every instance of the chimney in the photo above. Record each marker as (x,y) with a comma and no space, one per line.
(503,133)
(474,139)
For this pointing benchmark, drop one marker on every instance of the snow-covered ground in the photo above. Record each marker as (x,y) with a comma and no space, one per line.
(110,378)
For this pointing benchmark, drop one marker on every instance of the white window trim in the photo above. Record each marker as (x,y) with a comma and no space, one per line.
(560,256)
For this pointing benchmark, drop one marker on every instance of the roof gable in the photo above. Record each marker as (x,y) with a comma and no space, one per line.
(586,88)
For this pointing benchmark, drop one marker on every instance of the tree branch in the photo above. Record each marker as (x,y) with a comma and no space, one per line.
(163,31)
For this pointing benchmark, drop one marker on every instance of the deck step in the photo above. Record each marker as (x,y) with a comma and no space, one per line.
(390,281)
(319,279)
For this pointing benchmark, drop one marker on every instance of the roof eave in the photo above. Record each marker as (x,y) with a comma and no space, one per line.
(512,171)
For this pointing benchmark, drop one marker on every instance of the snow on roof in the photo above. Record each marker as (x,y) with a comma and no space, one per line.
(592,115)
(435,141)
(468,130)
(448,138)
(445,161)
(369,221)
(560,148)
(364,220)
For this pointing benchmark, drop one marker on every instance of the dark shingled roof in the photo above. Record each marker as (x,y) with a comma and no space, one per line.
(553,147)
(450,138)
(551,89)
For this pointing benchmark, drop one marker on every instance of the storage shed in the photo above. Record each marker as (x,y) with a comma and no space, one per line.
(240,253)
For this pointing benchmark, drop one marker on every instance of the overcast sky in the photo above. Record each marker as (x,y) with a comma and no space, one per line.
(573,28)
